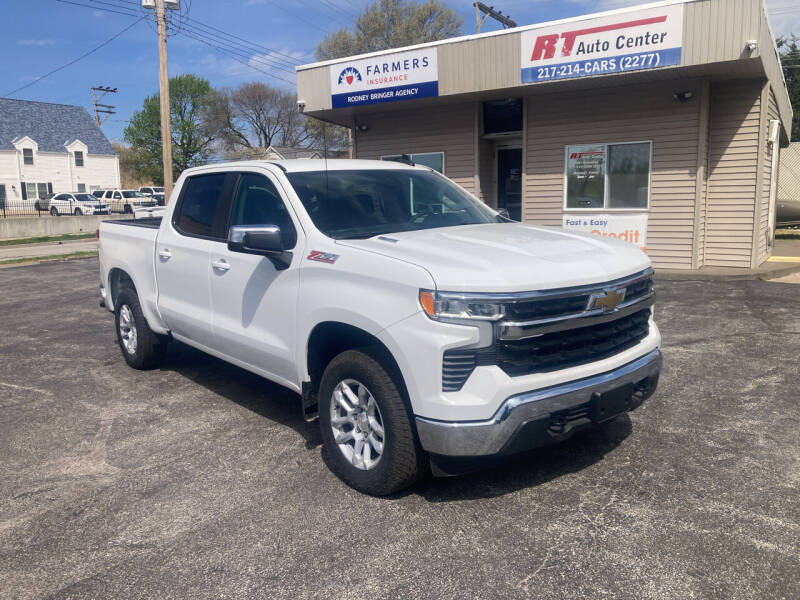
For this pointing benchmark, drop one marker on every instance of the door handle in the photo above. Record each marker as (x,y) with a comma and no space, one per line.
(165,254)
(220,264)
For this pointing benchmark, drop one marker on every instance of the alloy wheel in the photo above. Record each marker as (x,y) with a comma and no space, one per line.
(127,329)
(357,424)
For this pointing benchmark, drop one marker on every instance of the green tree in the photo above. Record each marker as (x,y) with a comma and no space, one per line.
(134,169)
(388,24)
(192,139)
(790,60)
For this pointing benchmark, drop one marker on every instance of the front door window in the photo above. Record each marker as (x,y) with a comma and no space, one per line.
(509,181)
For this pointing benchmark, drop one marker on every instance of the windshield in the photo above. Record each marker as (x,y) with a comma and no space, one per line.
(85,198)
(132,194)
(365,203)
(158,190)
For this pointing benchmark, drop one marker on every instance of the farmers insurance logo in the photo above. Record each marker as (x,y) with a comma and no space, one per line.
(626,41)
(349,75)
(385,78)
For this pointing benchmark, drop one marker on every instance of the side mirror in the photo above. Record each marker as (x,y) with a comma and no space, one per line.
(263,240)
(503,212)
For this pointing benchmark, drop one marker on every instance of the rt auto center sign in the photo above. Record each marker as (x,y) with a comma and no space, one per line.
(630,41)
(385,78)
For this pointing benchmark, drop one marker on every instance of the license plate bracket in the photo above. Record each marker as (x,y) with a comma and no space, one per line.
(607,405)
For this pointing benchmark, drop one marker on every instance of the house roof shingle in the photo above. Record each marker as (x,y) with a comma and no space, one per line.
(51,126)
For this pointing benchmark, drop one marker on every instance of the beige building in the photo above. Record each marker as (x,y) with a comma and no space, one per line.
(660,124)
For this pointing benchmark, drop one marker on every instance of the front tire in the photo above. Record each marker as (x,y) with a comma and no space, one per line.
(127,210)
(368,437)
(78,212)
(141,347)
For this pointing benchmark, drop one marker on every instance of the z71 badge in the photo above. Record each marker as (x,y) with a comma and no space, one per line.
(325,257)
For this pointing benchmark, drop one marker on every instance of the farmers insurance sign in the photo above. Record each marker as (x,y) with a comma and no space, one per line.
(630,41)
(385,78)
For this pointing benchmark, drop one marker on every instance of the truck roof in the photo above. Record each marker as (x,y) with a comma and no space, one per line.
(313,164)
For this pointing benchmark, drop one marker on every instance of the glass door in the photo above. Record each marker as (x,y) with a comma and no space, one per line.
(509,181)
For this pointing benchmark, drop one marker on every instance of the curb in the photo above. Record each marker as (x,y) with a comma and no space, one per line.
(746,275)
(46,259)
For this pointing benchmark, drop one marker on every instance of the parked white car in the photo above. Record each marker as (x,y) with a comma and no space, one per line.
(77,203)
(151,190)
(124,201)
(418,323)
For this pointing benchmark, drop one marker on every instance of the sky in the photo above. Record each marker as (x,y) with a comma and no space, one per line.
(264,39)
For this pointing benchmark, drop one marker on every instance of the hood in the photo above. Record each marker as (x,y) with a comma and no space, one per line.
(509,257)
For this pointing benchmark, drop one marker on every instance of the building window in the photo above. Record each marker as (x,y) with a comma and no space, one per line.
(78,158)
(36,191)
(434,160)
(502,117)
(82,188)
(608,176)
(27,156)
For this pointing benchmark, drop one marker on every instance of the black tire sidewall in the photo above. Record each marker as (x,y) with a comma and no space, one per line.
(149,351)
(383,478)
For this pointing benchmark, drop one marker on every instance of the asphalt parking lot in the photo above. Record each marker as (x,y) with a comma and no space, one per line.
(200,480)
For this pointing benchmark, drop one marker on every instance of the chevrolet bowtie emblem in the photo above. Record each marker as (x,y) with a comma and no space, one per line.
(608,301)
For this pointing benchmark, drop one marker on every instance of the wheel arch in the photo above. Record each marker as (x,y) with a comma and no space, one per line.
(117,279)
(328,339)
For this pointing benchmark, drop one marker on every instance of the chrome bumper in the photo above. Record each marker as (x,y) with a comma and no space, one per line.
(491,437)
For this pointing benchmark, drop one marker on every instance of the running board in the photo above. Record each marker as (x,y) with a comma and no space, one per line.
(308,402)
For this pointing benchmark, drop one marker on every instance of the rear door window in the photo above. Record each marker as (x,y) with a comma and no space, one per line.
(203,207)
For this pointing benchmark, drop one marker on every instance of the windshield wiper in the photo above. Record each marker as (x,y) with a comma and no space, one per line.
(366,234)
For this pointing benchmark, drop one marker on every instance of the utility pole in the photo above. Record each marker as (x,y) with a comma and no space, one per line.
(163,87)
(489,11)
(99,109)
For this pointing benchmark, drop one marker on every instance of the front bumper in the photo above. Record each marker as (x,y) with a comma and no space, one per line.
(539,417)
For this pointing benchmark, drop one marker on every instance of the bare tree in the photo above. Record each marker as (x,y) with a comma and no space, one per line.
(254,116)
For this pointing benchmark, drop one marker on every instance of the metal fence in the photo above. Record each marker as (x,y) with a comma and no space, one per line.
(49,207)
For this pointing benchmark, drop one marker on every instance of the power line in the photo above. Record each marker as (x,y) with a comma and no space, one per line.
(127,14)
(273,60)
(269,58)
(232,56)
(72,62)
(250,56)
(288,57)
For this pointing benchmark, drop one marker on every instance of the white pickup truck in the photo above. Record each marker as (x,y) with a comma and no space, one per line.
(422,327)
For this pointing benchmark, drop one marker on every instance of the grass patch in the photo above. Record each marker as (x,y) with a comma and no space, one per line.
(52,257)
(788,236)
(42,239)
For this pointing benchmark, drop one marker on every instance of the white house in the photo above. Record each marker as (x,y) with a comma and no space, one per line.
(51,148)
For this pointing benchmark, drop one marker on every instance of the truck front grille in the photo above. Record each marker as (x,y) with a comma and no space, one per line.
(548,308)
(548,352)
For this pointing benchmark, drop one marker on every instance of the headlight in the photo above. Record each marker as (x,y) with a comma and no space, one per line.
(452,305)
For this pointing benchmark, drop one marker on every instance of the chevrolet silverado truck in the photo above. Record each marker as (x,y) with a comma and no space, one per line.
(423,328)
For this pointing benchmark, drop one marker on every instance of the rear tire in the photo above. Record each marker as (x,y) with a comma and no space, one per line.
(401,461)
(78,212)
(141,347)
(127,210)
(53,211)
